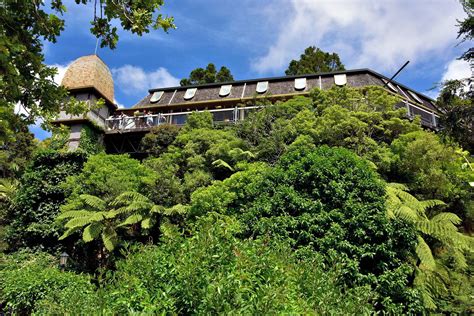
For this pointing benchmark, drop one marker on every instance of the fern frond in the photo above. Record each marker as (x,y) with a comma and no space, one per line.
(425,255)
(397,186)
(110,239)
(74,214)
(78,222)
(130,196)
(177,209)
(406,213)
(147,223)
(98,216)
(219,163)
(447,217)
(132,219)
(68,233)
(93,202)
(158,209)
(92,231)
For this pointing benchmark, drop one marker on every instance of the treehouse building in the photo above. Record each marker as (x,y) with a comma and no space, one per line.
(89,79)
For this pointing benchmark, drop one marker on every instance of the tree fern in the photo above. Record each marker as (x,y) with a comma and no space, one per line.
(430,276)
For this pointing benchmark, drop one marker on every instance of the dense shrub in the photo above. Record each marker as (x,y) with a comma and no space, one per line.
(213,272)
(329,200)
(39,196)
(158,139)
(32,283)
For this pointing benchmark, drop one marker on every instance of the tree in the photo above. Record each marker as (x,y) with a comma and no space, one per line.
(27,82)
(430,273)
(326,200)
(38,198)
(466,28)
(457,112)
(314,60)
(208,75)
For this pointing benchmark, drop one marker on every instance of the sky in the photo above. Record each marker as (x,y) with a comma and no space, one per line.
(258,38)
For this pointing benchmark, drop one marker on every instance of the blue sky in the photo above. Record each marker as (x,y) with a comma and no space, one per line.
(257,38)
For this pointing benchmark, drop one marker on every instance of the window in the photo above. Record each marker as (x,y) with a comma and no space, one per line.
(390,85)
(156,96)
(415,96)
(300,83)
(190,93)
(225,90)
(179,119)
(340,80)
(262,86)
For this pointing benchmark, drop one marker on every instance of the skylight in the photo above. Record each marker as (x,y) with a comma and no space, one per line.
(340,80)
(156,96)
(190,93)
(300,83)
(225,90)
(415,96)
(262,86)
(390,85)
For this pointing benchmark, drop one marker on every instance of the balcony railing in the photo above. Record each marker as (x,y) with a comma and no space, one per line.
(144,122)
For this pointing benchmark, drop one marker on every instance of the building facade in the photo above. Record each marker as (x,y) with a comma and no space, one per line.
(89,79)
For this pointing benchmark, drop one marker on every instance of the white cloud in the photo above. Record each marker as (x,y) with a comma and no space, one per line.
(134,80)
(380,34)
(119,105)
(457,69)
(61,71)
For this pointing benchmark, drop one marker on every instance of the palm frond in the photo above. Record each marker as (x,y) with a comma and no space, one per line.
(128,197)
(177,209)
(68,233)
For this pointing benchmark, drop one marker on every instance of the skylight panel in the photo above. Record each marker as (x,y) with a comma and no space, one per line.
(415,96)
(225,90)
(340,80)
(190,93)
(156,96)
(262,86)
(390,85)
(300,83)
(403,92)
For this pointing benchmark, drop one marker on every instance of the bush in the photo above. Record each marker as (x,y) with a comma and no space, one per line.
(39,196)
(325,199)
(213,272)
(32,283)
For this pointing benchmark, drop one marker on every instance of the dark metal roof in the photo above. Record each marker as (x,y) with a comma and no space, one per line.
(284,78)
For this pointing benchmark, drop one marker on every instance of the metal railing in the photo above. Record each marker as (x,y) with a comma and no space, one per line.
(140,122)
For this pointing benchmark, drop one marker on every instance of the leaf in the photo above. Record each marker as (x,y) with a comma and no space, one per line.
(93,201)
(92,231)
(109,237)
(71,214)
(425,255)
(147,223)
(68,233)
(78,222)
(219,163)
(132,219)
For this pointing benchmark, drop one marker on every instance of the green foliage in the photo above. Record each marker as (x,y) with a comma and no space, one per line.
(457,118)
(39,196)
(91,142)
(314,60)
(325,199)
(155,142)
(33,284)
(466,28)
(440,229)
(213,272)
(208,75)
(107,176)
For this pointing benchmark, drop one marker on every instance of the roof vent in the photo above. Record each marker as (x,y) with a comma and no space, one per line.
(340,80)
(190,93)
(225,90)
(156,96)
(300,83)
(262,86)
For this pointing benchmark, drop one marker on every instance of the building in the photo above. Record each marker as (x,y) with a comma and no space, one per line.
(89,79)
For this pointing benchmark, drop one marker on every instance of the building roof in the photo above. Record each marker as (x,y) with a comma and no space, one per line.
(90,72)
(284,86)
